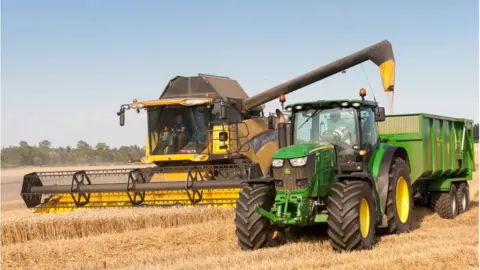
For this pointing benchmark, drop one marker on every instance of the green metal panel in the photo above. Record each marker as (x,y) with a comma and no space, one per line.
(433,143)
(428,165)
(396,125)
(436,153)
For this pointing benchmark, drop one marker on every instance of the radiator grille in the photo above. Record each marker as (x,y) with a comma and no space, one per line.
(299,178)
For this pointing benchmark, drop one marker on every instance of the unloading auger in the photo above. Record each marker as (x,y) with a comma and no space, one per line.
(206,138)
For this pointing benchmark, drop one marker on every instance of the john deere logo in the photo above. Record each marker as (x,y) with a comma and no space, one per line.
(288,171)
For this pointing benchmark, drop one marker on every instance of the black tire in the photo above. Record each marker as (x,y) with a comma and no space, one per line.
(463,197)
(445,203)
(399,174)
(252,229)
(344,226)
(229,174)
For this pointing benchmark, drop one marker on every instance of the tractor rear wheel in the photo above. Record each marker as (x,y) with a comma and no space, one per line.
(252,229)
(463,197)
(399,199)
(445,203)
(351,216)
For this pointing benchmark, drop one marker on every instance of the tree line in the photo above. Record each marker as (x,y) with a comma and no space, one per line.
(44,154)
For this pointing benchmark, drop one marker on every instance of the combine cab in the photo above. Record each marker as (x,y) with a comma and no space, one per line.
(206,139)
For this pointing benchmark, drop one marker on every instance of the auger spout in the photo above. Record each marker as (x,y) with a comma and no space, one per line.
(381,54)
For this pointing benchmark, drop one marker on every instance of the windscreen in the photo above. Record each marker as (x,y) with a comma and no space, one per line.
(336,126)
(178,129)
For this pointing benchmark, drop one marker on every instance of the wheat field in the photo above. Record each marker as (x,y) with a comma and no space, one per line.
(204,238)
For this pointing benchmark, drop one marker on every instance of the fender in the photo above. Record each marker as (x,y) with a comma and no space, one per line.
(381,168)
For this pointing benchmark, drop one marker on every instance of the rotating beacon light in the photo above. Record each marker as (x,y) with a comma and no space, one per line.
(282,100)
(363,93)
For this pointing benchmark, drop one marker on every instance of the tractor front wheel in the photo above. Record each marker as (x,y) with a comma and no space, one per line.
(351,216)
(252,229)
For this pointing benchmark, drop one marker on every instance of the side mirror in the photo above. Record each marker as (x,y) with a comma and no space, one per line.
(271,122)
(379,114)
(121,113)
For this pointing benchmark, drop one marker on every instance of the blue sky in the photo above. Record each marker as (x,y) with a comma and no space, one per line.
(68,65)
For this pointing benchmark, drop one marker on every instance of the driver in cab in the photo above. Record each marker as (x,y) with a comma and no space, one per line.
(179,128)
(340,127)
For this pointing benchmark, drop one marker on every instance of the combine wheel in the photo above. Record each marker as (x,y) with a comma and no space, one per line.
(252,229)
(351,216)
(445,203)
(399,198)
(229,174)
(463,197)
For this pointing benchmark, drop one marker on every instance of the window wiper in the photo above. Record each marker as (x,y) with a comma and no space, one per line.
(313,114)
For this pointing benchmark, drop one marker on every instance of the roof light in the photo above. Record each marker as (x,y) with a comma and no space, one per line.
(190,102)
(344,104)
(298,107)
(135,106)
(289,109)
(356,104)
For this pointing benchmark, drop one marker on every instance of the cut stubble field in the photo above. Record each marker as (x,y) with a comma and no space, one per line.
(179,238)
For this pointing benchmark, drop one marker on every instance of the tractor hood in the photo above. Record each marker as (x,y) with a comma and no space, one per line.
(300,150)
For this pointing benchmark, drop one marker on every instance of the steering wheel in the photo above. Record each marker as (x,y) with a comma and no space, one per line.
(337,139)
(336,136)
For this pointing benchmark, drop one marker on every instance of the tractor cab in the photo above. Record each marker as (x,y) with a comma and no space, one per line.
(348,125)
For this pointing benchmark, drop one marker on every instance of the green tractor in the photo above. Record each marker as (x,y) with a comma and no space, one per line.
(346,166)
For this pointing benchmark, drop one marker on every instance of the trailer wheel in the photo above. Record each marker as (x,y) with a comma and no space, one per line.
(445,203)
(351,216)
(399,199)
(463,197)
(252,229)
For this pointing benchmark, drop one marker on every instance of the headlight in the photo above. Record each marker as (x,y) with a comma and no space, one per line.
(298,162)
(277,163)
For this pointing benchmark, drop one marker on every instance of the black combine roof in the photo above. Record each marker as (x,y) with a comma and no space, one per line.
(198,86)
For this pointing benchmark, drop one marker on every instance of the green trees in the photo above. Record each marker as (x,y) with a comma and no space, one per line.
(44,154)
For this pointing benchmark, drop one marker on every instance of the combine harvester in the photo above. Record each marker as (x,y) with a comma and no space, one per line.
(205,136)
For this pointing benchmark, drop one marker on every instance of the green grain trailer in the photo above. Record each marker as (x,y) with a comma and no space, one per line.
(348,165)
(441,153)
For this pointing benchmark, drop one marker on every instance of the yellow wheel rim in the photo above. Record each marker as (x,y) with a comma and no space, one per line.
(364,218)
(403,199)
